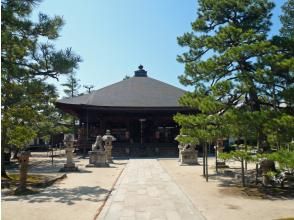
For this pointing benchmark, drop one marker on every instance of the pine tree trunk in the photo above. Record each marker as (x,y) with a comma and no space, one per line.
(216,149)
(242,172)
(203,158)
(256,174)
(245,142)
(206,162)
(3,145)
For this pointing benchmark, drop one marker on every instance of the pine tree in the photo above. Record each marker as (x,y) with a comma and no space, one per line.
(287,19)
(71,85)
(26,63)
(230,61)
(71,89)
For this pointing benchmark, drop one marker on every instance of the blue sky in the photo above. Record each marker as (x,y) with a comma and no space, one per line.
(114,36)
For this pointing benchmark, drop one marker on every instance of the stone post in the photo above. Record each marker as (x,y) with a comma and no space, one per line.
(220,149)
(24,163)
(70,165)
(108,138)
(180,147)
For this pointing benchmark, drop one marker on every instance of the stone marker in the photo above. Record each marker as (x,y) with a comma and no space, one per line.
(24,163)
(97,157)
(70,165)
(108,139)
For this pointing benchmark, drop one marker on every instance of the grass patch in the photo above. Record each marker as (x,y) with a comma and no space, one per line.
(33,180)
(291,218)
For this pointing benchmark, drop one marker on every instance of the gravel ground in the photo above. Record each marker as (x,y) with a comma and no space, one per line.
(217,201)
(77,197)
(81,196)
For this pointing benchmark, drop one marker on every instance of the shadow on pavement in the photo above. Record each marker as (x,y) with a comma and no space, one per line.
(67,196)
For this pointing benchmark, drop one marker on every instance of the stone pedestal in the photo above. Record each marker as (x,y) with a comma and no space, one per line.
(267,166)
(97,159)
(108,150)
(108,138)
(188,157)
(70,165)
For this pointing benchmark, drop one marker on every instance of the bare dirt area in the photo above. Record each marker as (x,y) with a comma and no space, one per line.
(223,198)
(78,196)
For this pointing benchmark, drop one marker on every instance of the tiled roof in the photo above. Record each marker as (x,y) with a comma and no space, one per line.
(132,92)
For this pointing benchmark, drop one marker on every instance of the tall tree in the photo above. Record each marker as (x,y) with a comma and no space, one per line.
(28,58)
(71,85)
(287,19)
(230,59)
(71,89)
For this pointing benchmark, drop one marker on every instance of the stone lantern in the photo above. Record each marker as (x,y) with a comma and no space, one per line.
(24,163)
(108,139)
(70,165)
(219,146)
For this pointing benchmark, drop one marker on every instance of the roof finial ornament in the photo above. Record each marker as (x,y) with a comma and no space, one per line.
(140,72)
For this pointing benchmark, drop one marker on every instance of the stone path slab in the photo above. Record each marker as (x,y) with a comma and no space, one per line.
(146,191)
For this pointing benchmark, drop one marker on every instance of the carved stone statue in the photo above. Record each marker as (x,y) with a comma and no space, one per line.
(188,154)
(98,156)
(98,145)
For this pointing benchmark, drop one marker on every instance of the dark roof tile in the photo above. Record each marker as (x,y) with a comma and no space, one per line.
(132,92)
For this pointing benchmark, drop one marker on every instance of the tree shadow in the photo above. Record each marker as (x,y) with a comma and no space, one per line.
(271,193)
(60,195)
(120,163)
(252,190)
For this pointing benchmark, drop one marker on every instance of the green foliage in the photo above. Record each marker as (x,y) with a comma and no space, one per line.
(280,130)
(28,58)
(236,156)
(200,128)
(243,81)
(72,86)
(21,136)
(284,158)
(287,19)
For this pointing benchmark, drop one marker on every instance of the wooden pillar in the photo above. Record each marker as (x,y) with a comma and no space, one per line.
(87,133)
(102,125)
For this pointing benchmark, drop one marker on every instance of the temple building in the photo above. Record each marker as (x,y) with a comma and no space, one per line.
(138,111)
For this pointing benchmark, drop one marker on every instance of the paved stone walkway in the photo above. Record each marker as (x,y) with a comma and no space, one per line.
(146,191)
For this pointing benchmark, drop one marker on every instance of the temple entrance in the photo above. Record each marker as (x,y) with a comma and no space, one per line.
(136,134)
(142,131)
